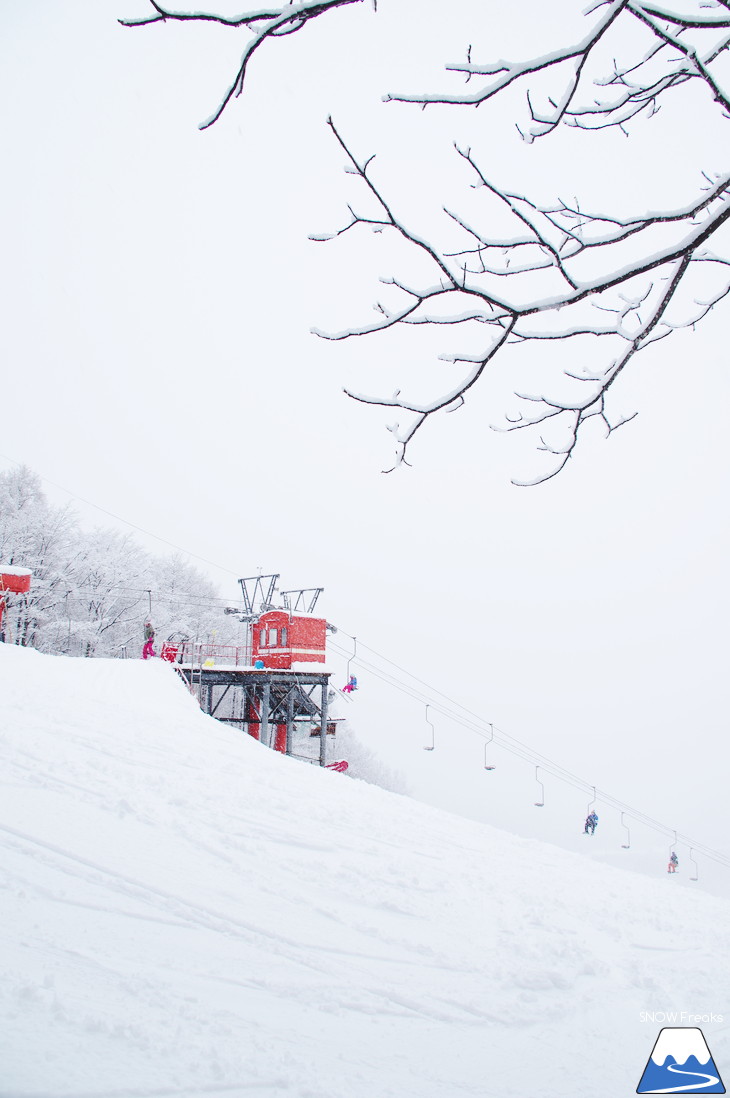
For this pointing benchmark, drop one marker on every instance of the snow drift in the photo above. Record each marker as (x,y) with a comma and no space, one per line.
(187,913)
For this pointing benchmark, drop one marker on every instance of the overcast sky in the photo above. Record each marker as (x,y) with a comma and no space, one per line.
(158,290)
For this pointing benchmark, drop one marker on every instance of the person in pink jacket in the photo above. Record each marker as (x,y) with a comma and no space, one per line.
(149,640)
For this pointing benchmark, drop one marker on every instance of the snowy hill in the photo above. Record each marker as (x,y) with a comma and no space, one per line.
(183,912)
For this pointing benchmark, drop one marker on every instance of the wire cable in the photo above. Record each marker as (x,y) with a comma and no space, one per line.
(453,710)
(490,732)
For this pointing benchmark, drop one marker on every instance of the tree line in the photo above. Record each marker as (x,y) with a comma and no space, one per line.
(93,590)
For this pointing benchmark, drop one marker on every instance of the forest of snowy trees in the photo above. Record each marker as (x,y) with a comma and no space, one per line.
(93,590)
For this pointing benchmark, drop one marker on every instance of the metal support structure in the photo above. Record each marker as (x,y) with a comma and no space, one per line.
(220,699)
(301,600)
(266,703)
(265,699)
(323,727)
(627,844)
(258,594)
(289,721)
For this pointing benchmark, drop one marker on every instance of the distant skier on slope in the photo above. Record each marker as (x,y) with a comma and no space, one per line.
(591,824)
(350,685)
(149,640)
(673,863)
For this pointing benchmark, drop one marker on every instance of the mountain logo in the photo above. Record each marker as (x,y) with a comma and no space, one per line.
(680,1063)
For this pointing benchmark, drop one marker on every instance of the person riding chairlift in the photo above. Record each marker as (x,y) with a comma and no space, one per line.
(350,685)
(591,824)
(673,863)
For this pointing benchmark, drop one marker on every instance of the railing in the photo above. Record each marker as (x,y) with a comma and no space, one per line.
(200,654)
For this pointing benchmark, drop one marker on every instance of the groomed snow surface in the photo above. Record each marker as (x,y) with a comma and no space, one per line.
(184,912)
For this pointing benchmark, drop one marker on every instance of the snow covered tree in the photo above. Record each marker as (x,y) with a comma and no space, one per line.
(107,596)
(92,591)
(35,536)
(634,95)
(185,601)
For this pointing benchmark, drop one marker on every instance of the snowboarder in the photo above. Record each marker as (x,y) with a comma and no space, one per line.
(149,640)
(591,824)
(673,863)
(350,685)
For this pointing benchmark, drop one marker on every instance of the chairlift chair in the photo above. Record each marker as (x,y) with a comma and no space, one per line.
(694,863)
(433,733)
(541,802)
(488,766)
(589,808)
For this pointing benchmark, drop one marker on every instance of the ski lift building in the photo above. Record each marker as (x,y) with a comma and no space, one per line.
(281,639)
(276,694)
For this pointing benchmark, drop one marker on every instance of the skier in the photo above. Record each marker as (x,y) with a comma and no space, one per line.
(350,685)
(673,863)
(591,824)
(149,640)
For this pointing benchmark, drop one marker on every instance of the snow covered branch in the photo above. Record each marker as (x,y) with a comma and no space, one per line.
(262,23)
(639,264)
(513,268)
(672,47)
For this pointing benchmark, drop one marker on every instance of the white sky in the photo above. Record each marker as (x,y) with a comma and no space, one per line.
(158,290)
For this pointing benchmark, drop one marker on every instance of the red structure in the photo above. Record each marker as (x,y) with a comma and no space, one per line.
(281,639)
(262,685)
(15,581)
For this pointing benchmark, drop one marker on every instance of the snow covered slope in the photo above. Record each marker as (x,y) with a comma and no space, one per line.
(183,912)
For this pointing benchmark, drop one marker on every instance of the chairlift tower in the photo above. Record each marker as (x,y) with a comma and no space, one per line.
(302,599)
(270,685)
(258,595)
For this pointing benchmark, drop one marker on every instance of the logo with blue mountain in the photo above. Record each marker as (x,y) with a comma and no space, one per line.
(680,1063)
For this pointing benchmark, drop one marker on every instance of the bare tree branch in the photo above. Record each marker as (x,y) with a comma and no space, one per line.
(636,94)
(643,291)
(557,270)
(285,18)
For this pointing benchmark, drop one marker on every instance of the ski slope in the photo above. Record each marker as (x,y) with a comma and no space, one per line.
(183,912)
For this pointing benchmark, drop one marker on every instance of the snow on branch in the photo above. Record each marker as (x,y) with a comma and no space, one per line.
(628,301)
(679,47)
(512,271)
(263,23)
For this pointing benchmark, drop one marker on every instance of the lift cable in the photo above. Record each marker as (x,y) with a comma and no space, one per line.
(472,722)
(496,735)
